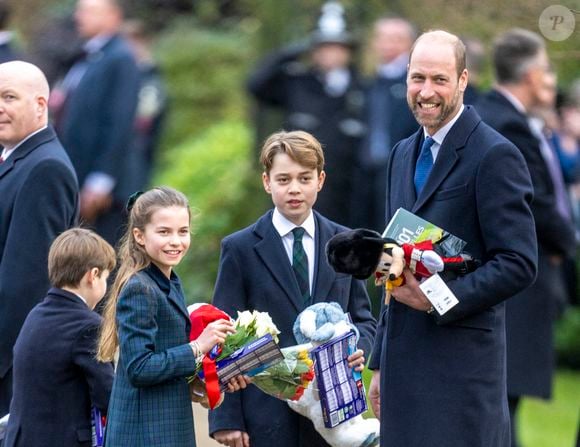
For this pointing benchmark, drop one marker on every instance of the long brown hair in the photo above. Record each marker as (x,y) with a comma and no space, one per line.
(132,258)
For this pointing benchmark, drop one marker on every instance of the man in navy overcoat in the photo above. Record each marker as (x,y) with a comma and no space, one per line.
(39,200)
(97,114)
(521,84)
(442,378)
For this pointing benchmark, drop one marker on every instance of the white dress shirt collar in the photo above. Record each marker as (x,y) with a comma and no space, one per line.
(440,135)
(5,37)
(512,99)
(97,43)
(284,226)
(7,152)
(394,69)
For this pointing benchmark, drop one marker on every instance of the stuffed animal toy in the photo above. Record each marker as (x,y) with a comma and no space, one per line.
(320,322)
(317,324)
(362,252)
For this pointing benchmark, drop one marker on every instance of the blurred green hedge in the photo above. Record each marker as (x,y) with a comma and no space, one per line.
(216,173)
(205,70)
(207,147)
(567,338)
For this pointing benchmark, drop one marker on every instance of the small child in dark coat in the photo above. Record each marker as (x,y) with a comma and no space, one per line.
(56,375)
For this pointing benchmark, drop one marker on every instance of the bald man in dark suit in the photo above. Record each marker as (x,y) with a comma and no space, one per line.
(39,194)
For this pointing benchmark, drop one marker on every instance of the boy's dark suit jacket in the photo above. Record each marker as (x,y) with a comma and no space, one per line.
(38,201)
(443,378)
(56,375)
(530,314)
(255,274)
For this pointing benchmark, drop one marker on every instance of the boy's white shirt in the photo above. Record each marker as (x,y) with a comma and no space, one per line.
(74,292)
(284,227)
(84,301)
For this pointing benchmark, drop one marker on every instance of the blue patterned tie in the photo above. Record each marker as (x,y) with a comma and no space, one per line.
(300,264)
(424,164)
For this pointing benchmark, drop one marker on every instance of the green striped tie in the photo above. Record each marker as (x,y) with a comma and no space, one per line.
(300,264)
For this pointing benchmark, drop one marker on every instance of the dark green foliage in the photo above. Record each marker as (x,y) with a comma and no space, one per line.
(205,72)
(568,338)
(215,171)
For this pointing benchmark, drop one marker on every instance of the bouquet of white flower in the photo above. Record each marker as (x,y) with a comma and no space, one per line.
(256,337)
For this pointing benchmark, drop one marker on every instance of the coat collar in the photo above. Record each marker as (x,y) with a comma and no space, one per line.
(448,156)
(26,148)
(270,250)
(498,97)
(170,286)
(61,294)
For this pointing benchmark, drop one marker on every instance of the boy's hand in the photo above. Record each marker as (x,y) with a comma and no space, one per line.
(232,438)
(356,360)
(214,333)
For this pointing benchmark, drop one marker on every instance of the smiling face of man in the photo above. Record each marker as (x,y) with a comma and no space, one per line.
(434,87)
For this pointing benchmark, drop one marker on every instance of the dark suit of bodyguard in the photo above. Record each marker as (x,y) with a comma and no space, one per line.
(98,117)
(443,378)
(39,200)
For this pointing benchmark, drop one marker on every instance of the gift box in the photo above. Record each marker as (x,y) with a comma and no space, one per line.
(250,360)
(98,422)
(341,389)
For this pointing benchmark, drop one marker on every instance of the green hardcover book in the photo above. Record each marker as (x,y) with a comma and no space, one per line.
(407,228)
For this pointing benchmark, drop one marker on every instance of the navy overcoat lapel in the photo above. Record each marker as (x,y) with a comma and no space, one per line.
(178,298)
(26,148)
(449,154)
(174,294)
(409,160)
(270,250)
(323,274)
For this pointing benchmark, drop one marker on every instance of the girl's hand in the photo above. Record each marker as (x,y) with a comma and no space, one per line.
(238,383)
(214,333)
(356,360)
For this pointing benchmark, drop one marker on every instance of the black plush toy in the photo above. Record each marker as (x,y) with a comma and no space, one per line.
(362,252)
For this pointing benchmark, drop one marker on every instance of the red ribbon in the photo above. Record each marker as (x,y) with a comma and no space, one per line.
(200,318)
(212,385)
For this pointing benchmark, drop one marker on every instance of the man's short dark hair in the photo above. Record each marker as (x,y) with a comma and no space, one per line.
(514,52)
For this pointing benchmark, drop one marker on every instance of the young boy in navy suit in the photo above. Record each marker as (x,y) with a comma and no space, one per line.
(278,265)
(56,376)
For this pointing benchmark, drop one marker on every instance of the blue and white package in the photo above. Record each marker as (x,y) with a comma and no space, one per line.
(341,389)
(98,422)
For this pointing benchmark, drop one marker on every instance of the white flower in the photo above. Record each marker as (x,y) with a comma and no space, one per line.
(265,325)
(245,318)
